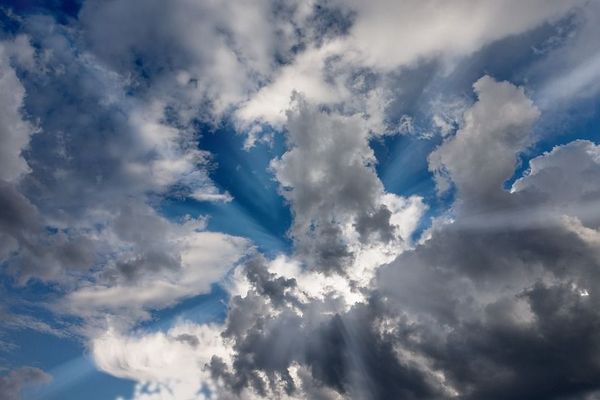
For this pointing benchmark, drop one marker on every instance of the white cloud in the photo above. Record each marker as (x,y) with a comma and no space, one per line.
(568,72)
(205,259)
(390,34)
(565,178)
(305,75)
(387,36)
(169,365)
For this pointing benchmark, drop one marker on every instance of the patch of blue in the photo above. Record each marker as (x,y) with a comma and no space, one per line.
(257,210)
(403,169)
(577,121)
(73,372)
(207,308)
(62,10)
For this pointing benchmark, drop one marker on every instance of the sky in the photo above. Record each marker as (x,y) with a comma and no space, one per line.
(299,200)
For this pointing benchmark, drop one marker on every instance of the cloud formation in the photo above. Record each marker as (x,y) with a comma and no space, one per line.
(476,280)
(476,310)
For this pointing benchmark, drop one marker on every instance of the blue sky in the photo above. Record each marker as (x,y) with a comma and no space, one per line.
(258,200)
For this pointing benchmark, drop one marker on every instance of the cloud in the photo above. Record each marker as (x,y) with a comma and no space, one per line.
(496,287)
(568,71)
(100,123)
(12,383)
(385,38)
(200,259)
(15,130)
(19,321)
(157,43)
(495,129)
(425,29)
(80,198)
(79,189)
(179,371)
(502,296)
(306,75)
(328,176)
(565,178)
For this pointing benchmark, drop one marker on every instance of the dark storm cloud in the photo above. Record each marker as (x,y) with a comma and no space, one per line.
(345,351)
(503,302)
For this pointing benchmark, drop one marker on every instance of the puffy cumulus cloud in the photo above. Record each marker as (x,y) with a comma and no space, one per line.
(329,179)
(565,178)
(488,296)
(279,328)
(180,370)
(13,383)
(495,129)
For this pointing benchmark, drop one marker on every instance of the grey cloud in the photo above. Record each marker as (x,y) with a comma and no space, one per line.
(11,384)
(568,177)
(97,157)
(267,284)
(344,351)
(328,177)
(483,153)
(496,307)
(157,43)
(189,339)
(30,249)
(377,223)
(15,130)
